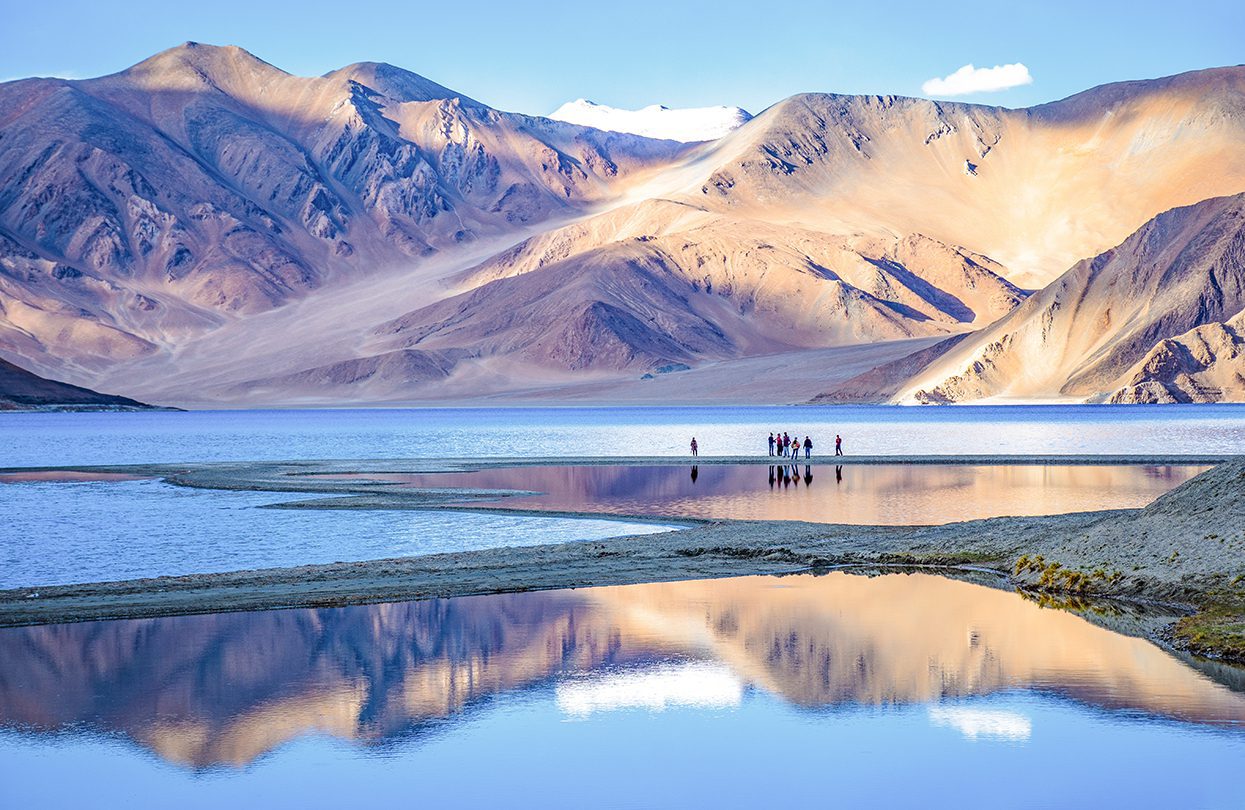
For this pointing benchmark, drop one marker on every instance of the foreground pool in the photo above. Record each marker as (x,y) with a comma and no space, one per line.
(102,530)
(896,690)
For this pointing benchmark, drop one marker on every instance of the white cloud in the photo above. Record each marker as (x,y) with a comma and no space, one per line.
(698,684)
(969,79)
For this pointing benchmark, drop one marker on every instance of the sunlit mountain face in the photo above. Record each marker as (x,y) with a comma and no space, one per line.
(225,689)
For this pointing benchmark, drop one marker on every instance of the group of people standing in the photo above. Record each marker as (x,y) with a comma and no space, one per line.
(784,446)
(781,444)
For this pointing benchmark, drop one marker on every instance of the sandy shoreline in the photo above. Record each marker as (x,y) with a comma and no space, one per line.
(1185,549)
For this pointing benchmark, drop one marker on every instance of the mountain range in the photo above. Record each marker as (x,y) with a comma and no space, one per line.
(204,228)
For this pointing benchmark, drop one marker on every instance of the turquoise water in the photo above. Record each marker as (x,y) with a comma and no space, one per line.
(49,439)
(892,691)
(62,533)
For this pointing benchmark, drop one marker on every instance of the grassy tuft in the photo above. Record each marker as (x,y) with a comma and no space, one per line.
(1215,631)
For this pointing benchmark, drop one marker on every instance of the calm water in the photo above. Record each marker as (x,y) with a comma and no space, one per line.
(38,439)
(900,690)
(862,494)
(92,531)
(60,533)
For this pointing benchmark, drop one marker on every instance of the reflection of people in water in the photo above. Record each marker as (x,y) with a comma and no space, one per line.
(795,475)
(808,476)
(771,476)
(695,472)
(838,474)
(786,476)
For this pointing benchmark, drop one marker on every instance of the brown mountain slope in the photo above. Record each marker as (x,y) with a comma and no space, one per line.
(21,390)
(1079,337)
(646,287)
(651,294)
(916,277)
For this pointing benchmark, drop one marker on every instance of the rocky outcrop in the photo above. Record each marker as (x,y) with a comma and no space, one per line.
(1106,323)
(1205,364)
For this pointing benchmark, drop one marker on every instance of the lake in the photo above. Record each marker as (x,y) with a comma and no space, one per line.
(894,690)
(99,530)
(53,439)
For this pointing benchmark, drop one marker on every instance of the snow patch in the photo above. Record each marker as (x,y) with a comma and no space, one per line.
(655,121)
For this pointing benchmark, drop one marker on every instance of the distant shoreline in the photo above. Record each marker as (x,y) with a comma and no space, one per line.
(8,406)
(460,464)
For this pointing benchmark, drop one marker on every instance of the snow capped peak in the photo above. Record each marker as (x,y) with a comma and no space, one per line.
(655,120)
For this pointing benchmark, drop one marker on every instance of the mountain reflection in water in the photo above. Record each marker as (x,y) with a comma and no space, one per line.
(856,494)
(226,688)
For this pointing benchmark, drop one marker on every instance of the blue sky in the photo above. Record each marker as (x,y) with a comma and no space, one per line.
(531,57)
